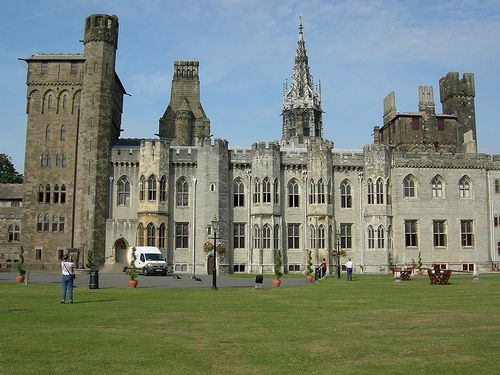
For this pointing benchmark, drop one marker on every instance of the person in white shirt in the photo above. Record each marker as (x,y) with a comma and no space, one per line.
(67,270)
(348,266)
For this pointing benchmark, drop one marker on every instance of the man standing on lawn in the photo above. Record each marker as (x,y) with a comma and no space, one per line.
(348,267)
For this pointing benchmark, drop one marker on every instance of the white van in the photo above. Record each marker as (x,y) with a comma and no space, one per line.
(149,259)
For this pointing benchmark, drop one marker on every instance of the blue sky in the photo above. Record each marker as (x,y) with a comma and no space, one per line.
(360,50)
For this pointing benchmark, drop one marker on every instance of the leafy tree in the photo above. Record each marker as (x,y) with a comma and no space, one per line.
(8,173)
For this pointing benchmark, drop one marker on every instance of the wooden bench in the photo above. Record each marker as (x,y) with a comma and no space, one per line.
(439,279)
(406,274)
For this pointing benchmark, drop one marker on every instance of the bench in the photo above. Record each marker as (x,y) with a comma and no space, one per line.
(439,279)
(406,274)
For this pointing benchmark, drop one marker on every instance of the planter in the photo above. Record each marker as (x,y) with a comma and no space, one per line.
(309,278)
(276,283)
(132,283)
(20,278)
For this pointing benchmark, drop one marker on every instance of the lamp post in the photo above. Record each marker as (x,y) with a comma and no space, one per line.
(215,228)
(338,253)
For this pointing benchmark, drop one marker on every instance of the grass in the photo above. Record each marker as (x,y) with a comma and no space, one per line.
(369,326)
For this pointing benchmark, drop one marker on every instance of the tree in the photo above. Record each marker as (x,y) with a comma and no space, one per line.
(8,173)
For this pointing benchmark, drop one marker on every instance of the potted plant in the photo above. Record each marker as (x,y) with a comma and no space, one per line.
(20,267)
(419,264)
(132,273)
(309,269)
(278,273)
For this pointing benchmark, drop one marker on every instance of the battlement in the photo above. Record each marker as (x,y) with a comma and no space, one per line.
(446,160)
(425,97)
(101,28)
(186,70)
(452,85)
(263,146)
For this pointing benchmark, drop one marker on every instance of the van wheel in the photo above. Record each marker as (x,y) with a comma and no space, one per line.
(144,272)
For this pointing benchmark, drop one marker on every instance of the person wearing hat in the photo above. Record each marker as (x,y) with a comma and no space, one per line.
(348,266)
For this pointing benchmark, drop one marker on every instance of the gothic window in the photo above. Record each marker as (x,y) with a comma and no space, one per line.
(380,237)
(161,236)
(371,237)
(41,193)
(380,191)
(321,192)
(256,237)
(65,101)
(58,160)
(63,194)
(56,194)
(346,236)
(411,235)
(13,233)
(47,193)
(49,102)
(55,223)
(276,236)
(437,187)
(312,192)
(45,160)
(409,187)
(151,234)
(256,191)
(276,187)
(163,189)
(39,223)
(142,189)
(182,192)
(266,236)
(152,188)
(47,132)
(330,192)
(123,192)
(345,194)
(312,236)
(293,236)
(140,234)
(467,232)
(181,235)
(266,191)
(46,223)
(464,187)
(63,159)
(439,233)
(239,236)
(239,193)
(371,193)
(61,223)
(62,132)
(321,237)
(293,193)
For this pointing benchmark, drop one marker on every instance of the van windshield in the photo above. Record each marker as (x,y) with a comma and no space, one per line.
(154,257)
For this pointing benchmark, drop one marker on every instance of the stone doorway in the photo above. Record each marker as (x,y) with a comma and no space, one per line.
(121,252)
(210,265)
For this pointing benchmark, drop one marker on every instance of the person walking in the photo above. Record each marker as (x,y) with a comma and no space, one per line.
(348,266)
(68,271)
(323,268)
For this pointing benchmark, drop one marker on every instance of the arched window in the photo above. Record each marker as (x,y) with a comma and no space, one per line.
(63,159)
(41,193)
(409,187)
(321,192)
(140,234)
(10,233)
(63,194)
(380,191)
(45,160)
(123,192)
(142,189)
(239,193)
(46,223)
(256,237)
(437,187)
(163,189)
(276,236)
(39,223)
(464,187)
(329,192)
(321,237)
(293,193)
(371,237)
(56,194)
(312,192)
(61,223)
(345,194)
(62,132)
(380,237)
(58,160)
(55,223)
(49,102)
(266,236)
(47,132)
(151,235)
(256,191)
(65,101)
(161,236)
(47,193)
(371,191)
(312,236)
(152,188)
(182,192)
(276,187)
(266,191)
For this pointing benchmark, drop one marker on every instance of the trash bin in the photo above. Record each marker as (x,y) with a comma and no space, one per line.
(317,273)
(94,279)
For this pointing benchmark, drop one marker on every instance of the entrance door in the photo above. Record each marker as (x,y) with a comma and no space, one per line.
(121,252)
(210,265)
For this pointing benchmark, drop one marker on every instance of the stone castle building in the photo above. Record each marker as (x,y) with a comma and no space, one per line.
(419,188)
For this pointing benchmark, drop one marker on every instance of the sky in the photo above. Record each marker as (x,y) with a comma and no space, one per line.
(359,50)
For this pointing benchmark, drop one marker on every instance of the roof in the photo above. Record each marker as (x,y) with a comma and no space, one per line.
(55,57)
(11,192)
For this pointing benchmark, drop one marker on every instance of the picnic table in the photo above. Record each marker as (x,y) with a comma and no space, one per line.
(441,278)
(404,274)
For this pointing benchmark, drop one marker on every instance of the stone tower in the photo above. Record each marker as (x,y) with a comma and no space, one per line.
(184,120)
(99,128)
(302,113)
(457,98)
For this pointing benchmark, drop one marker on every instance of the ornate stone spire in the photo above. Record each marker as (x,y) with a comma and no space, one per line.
(302,103)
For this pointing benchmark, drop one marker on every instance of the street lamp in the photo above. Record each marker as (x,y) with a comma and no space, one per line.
(215,228)
(338,253)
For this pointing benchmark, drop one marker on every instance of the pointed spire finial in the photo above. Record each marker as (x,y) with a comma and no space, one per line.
(300,25)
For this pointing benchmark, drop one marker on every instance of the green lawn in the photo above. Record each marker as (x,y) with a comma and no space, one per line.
(369,326)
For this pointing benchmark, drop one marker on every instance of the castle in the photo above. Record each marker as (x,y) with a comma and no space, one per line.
(420,189)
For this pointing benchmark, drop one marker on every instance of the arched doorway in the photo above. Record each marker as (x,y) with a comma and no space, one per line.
(121,251)
(210,264)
